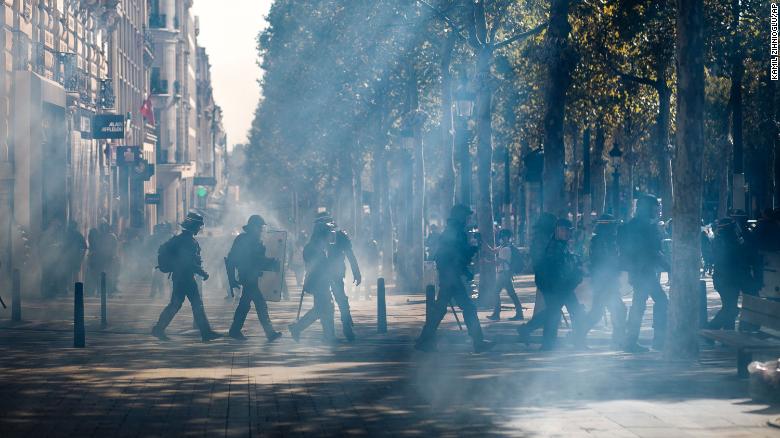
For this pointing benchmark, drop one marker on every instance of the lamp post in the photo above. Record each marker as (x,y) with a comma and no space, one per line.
(615,154)
(464,107)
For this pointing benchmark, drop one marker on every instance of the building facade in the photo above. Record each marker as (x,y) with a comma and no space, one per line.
(64,65)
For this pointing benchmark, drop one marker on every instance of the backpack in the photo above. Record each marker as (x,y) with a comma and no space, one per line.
(166,256)
(516,262)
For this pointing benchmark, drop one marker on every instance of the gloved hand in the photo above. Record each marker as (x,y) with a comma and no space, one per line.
(204,275)
(358,279)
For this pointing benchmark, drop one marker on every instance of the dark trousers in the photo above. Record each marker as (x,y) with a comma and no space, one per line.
(451,287)
(250,293)
(647,285)
(550,317)
(337,288)
(322,310)
(726,317)
(606,295)
(184,287)
(504,282)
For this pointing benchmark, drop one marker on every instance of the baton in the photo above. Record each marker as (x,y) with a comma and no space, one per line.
(460,327)
(3,303)
(230,288)
(300,304)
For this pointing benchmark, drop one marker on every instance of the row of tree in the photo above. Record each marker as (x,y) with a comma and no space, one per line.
(358,114)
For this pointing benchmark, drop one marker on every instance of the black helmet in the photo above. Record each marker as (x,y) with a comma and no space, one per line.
(564,223)
(460,213)
(505,234)
(192,222)
(255,222)
(323,216)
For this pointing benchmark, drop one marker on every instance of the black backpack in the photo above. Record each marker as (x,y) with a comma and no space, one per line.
(166,256)
(516,262)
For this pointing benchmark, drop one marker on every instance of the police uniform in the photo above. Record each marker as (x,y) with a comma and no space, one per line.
(186,265)
(337,252)
(453,257)
(247,256)
(641,251)
(605,281)
(317,282)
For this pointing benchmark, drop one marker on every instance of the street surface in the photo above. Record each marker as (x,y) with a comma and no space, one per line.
(127,383)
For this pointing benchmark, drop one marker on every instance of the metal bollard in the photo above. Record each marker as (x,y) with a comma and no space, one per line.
(16,296)
(702,303)
(103,301)
(381,306)
(78,317)
(430,298)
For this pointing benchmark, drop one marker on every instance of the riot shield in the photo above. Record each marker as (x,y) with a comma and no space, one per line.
(271,282)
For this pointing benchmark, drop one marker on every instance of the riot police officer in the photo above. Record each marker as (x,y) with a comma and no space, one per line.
(340,249)
(318,282)
(605,280)
(731,272)
(640,242)
(247,256)
(453,257)
(558,273)
(181,256)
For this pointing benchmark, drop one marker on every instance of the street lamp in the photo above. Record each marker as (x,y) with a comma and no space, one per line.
(615,154)
(464,108)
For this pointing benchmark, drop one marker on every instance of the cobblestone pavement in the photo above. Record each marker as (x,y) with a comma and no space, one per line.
(127,383)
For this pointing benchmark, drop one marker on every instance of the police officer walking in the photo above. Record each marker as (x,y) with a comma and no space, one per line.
(640,242)
(505,281)
(605,281)
(247,255)
(558,273)
(340,249)
(731,272)
(181,256)
(453,257)
(318,282)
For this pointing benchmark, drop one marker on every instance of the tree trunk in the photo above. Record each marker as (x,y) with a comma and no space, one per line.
(417,227)
(599,177)
(559,78)
(662,142)
(487,268)
(688,180)
(447,127)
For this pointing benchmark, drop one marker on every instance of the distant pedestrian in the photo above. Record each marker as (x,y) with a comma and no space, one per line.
(73,253)
(181,257)
(505,281)
(103,257)
(247,256)
(51,248)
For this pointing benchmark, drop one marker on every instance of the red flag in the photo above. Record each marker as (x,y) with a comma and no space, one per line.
(147,110)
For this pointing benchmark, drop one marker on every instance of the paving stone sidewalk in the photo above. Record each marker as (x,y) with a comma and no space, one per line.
(126,383)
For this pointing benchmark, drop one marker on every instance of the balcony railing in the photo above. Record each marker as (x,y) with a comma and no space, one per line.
(157,21)
(159,86)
